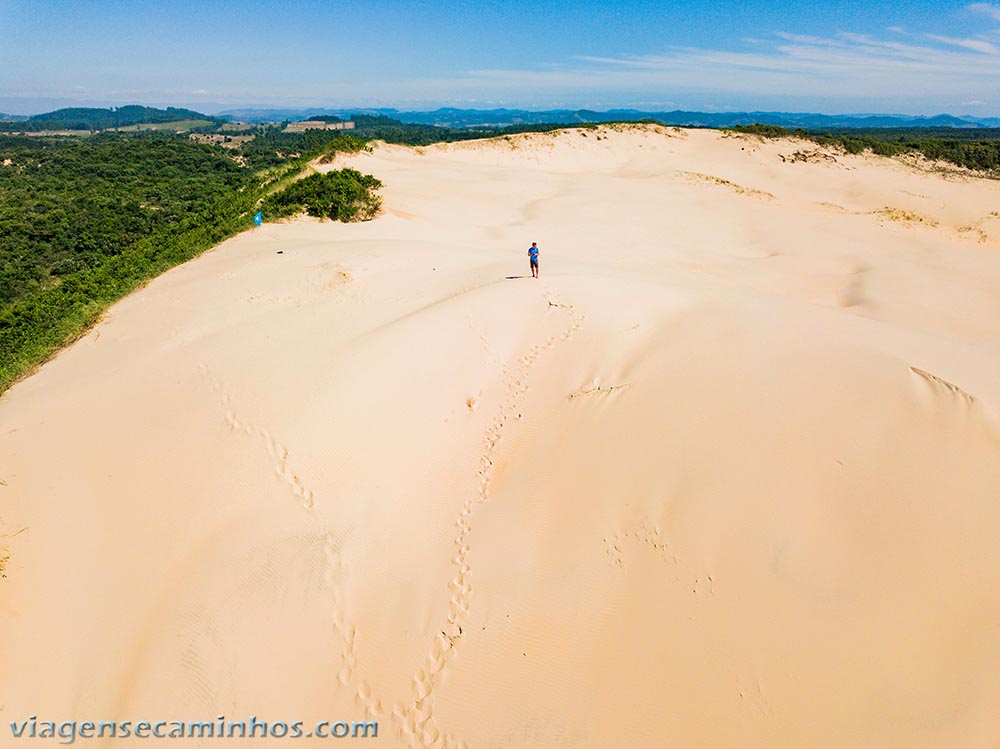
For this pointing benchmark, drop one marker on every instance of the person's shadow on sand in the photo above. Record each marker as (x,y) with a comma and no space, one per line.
(511,278)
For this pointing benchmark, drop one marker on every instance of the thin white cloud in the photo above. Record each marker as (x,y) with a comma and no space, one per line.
(847,65)
(977,45)
(805,39)
(987,9)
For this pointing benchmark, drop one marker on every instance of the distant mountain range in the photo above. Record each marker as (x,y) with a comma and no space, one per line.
(451,117)
(91,118)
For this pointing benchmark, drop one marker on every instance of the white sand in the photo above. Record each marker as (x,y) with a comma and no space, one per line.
(727,475)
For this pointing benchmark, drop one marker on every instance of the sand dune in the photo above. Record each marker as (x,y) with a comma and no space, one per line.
(726,475)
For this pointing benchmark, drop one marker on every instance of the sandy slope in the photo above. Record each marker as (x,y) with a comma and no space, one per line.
(728,475)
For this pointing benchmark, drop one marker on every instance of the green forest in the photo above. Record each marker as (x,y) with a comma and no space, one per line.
(68,206)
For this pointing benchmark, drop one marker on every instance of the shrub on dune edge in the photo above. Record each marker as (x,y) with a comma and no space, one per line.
(342,195)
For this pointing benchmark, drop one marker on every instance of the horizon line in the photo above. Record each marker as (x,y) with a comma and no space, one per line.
(217,108)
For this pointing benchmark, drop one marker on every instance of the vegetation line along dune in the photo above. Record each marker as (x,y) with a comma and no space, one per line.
(85,222)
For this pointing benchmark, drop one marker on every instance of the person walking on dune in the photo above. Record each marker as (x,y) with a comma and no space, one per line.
(533,257)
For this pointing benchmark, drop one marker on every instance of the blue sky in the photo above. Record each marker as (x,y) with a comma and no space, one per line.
(912,56)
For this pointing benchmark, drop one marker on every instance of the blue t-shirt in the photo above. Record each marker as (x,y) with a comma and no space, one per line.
(533,254)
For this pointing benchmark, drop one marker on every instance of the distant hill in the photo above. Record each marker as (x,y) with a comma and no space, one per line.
(452,117)
(89,118)
(806,121)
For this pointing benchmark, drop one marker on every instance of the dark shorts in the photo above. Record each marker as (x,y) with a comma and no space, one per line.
(534,263)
